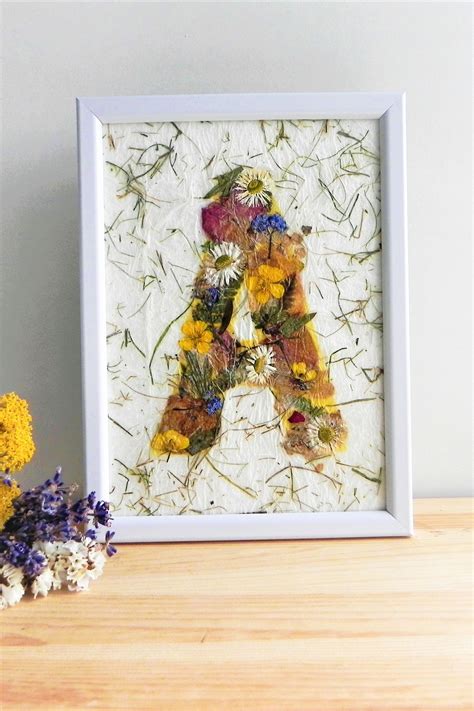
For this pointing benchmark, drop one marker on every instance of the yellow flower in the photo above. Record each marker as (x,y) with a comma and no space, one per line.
(301,372)
(266,283)
(16,439)
(170,442)
(8,494)
(198,337)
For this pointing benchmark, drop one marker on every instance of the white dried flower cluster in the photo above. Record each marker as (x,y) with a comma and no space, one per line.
(73,564)
(11,585)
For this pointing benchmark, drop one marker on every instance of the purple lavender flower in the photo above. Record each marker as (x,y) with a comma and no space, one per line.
(21,555)
(260,223)
(276,222)
(101,515)
(18,553)
(109,548)
(46,513)
(213,405)
(34,564)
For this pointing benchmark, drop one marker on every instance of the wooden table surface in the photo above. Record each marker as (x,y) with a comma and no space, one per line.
(320,625)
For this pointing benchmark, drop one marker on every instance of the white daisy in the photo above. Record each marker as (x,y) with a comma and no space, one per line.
(254,187)
(227,264)
(326,433)
(260,364)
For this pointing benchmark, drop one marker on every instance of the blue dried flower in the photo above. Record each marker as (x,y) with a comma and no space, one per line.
(276,222)
(260,223)
(213,405)
(212,296)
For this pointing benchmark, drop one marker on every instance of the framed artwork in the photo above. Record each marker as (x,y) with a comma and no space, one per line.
(244,310)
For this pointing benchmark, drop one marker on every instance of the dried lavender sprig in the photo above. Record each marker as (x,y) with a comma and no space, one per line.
(46,513)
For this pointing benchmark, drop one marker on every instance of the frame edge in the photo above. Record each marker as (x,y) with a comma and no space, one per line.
(389,108)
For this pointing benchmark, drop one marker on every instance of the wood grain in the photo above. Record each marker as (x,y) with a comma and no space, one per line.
(345,624)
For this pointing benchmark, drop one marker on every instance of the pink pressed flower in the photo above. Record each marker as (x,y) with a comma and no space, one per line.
(296,418)
(220,219)
(214,221)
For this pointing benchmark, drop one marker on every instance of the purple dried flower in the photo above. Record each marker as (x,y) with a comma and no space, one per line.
(212,296)
(18,553)
(109,548)
(46,513)
(101,516)
(34,564)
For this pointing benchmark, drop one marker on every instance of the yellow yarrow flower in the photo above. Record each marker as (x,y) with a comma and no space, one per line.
(170,442)
(300,372)
(8,493)
(265,284)
(16,439)
(197,337)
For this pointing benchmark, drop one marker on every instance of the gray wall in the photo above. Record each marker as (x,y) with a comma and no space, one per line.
(56,51)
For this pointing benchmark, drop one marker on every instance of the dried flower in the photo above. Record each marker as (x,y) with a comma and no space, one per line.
(296,418)
(302,373)
(260,364)
(212,296)
(254,187)
(213,405)
(260,223)
(276,222)
(326,433)
(170,442)
(42,545)
(73,563)
(43,583)
(11,588)
(9,490)
(197,337)
(264,223)
(227,264)
(16,440)
(266,283)
(110,549)
(223,220)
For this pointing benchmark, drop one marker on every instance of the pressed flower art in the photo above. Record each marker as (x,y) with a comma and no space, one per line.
(244,315)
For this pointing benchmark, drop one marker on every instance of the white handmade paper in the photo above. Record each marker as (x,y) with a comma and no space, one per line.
(327,180)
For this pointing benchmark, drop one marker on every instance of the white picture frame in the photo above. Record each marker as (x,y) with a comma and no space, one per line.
(389,108)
